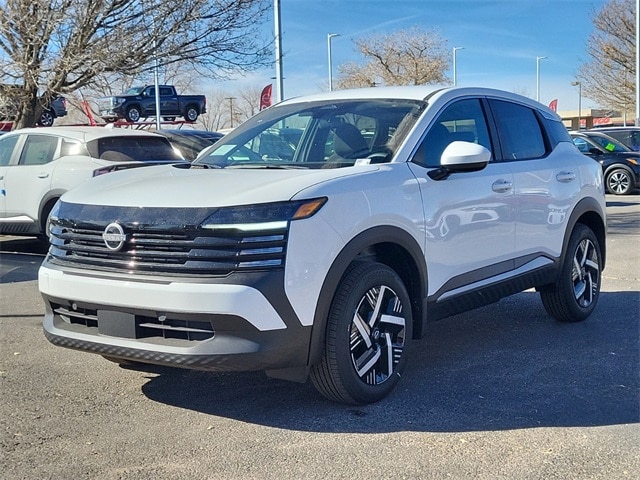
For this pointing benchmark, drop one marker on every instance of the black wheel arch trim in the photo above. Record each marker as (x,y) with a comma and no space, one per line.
(588,212)
(372,244)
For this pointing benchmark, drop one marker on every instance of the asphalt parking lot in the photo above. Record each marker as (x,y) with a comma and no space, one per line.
(502,392)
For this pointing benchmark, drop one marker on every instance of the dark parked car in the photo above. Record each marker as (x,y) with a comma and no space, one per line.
(620,165)
(630,136)
(190,142)
(57,108)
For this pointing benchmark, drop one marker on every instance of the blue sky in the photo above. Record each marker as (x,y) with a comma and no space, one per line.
(501,40)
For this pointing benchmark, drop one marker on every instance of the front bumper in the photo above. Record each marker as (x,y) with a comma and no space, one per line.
(217,326)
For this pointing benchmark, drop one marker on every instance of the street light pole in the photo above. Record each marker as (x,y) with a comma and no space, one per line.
(579,85)
(278,35)
(538,77)
(329,37)
(455,64)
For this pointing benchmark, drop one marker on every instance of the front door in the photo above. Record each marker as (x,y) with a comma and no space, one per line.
(468,216)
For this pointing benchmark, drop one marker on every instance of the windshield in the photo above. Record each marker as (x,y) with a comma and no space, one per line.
(134,91)
(609,144)
(325,134)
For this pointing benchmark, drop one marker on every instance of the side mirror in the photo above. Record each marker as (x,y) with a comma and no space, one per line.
(465,156)
(461,157)
(594,151)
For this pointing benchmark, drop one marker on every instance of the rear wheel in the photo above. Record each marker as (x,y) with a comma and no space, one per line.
(191,113)
(620,182)
(574,296)
(368,331)
(46,119)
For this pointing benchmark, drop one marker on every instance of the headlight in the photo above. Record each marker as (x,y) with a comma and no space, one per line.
(267,216)
(118,101)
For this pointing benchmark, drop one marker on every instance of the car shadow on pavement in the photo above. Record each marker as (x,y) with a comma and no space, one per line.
(19,267)
(505,366)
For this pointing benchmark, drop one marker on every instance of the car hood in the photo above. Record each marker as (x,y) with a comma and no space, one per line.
(173,186)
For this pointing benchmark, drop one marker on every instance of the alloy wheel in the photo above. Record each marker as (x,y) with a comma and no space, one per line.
(585,273)
(377,335)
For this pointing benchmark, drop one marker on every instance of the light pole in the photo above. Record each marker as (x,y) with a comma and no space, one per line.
(579,85)
(455,64)
(329,37)
(538,77)
(278,35)
(231,99)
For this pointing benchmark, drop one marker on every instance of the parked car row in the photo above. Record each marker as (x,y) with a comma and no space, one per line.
(620,163)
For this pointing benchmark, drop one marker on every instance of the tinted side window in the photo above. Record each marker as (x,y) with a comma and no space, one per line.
(461,121)
(38,150)
(519,131)
(6,149)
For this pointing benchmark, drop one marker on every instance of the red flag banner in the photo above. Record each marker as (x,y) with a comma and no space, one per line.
(554,105)
(265,97)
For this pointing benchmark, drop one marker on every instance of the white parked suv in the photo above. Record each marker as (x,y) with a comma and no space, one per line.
(38,165)
(322,253)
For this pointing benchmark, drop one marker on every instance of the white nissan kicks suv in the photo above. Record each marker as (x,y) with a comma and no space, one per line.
(318,238)
(38,165)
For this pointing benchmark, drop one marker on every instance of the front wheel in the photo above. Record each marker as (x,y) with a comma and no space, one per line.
(368,332)
(574,296)
(133,114)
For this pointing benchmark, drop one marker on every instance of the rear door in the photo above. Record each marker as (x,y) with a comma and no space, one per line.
(169,101)
(546,185)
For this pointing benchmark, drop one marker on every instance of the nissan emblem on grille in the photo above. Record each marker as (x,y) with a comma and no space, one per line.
(114,237)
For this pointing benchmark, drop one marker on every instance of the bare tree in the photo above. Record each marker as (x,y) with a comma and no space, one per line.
(50,47)
(406,57)
(608,77)
(227,110)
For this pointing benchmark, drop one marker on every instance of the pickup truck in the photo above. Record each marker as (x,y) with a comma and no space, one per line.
(140,102)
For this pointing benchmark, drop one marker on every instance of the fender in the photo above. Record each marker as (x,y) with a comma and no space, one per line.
(385,244)
(589,212)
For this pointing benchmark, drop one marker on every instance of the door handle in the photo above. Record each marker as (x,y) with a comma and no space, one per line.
(43,175)
(566,177)
(502,186)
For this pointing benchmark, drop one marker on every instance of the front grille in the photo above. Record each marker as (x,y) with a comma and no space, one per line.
(190,251)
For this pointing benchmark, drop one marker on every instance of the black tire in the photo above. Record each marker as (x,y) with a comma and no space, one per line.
(133,113)
(191,113)
(44,220)
(574,296)
(46,119)
(368,333)
(619,181)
